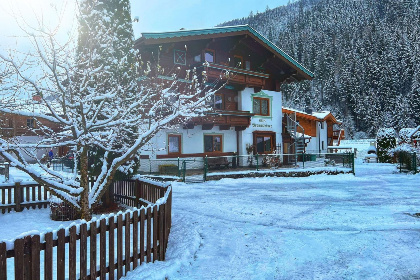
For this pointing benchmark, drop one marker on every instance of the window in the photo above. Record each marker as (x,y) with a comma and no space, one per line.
(238,61)
(212,143)
(322,125)
(30,123)
(209,56)
(248,65)
(180,57)
(260,106)
(218,101)
(197,58)
(264,142)
(174,144)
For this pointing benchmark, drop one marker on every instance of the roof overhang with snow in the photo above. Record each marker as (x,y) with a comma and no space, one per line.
(315,116)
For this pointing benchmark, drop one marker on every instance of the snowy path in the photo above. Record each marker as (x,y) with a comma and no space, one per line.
(321,227)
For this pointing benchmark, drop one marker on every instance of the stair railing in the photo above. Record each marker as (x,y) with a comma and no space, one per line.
(292,127)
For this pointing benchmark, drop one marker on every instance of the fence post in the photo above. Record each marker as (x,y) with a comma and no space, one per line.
(352,163)
(237,160)
(6,170)
(179,170)
(205,169)
(184,167)
(18,197)
(3,261)
(257,161)
(303,159)
(137,193)
(400,160)
(414,163)
(150,166)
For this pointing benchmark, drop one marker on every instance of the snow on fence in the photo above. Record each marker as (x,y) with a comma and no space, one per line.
(103,248)
(18,196)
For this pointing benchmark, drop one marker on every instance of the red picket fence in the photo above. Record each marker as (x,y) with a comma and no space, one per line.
(109,247)
(19,196)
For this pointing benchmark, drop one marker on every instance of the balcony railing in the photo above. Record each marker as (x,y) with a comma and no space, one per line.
(225,118)
(7,132)
(235,75)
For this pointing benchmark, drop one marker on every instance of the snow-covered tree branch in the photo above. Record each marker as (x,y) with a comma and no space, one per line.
(90,100)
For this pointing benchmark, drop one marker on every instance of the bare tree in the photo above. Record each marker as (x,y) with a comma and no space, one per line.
(95,100)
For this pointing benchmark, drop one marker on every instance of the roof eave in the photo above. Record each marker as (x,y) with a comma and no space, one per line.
(185,35)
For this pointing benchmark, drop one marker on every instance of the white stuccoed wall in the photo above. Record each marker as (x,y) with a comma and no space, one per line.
(315,145)
(258,123)
(192,140)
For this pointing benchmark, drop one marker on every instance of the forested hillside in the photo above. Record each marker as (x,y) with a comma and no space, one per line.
(365,55)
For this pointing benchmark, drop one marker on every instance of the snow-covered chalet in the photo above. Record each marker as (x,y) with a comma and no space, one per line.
(247,112)
(309,131)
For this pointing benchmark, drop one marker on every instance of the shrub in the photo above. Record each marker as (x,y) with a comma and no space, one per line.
(385,141)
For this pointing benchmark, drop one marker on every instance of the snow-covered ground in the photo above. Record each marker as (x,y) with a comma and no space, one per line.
(319,227)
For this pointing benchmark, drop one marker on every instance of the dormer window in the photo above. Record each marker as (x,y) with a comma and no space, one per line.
(209,56)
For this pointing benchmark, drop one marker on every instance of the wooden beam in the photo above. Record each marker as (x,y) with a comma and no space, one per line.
(189,125)
(224,127)
(207,126)
(238,43)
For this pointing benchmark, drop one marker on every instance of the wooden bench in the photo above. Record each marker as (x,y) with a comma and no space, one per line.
(218,162)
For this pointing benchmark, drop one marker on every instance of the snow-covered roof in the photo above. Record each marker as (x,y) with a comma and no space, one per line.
(317,116)
(30,107)
(415,132)
(321,115)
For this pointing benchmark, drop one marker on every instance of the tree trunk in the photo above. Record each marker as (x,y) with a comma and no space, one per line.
(85,210)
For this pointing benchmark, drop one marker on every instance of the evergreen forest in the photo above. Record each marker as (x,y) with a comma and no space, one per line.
(365,55)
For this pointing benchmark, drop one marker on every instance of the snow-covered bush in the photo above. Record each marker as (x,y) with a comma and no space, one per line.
(405,135)
(385,141)
(360,135)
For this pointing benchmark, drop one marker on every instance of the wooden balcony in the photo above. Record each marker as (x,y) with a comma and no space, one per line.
(7,132)
(236,75)
(338,134)
(224,119)
(336,138)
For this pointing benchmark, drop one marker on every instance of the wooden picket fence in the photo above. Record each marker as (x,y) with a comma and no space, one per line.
(106,248)
(18,196)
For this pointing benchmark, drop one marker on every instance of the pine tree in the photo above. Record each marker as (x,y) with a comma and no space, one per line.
(105,43)
(364,52)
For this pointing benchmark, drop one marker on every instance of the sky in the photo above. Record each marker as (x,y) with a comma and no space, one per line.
(169,15)
(154,15)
